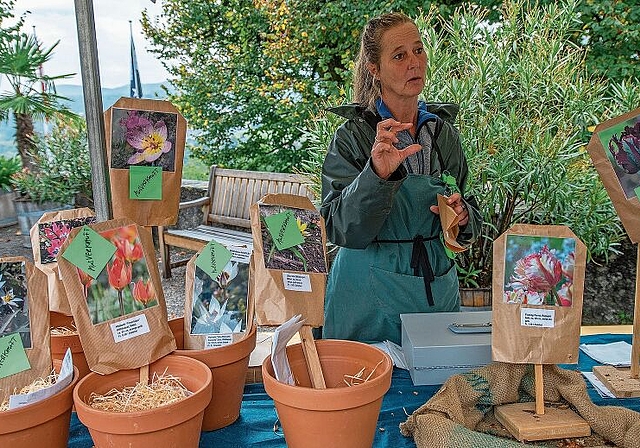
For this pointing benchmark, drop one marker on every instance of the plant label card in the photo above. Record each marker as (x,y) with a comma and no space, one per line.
(290,262)
(47,237)
(217,308)
(538,283)
(615,151)
(118,307)
(145,152)
(24,325)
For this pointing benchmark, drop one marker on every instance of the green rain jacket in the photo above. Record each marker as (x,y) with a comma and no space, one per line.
(376,222)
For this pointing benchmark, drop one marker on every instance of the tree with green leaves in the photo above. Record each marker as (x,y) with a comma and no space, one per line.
(31,94)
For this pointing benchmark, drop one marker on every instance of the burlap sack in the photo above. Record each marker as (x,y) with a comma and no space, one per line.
(47,236)
(36,306)
(449,418)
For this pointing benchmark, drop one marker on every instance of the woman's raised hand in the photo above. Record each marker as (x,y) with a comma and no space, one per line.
(385,157)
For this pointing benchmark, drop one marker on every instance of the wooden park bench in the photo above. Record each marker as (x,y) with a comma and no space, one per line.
(226,218)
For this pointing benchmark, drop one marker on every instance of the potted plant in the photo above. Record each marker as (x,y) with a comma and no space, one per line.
(59,177)
(8,167)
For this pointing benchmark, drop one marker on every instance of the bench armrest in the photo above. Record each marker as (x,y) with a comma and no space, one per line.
(195,203)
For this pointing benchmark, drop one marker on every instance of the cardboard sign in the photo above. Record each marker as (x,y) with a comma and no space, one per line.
(538,284)
(120,314)
(24,325)
(145,152)
(615,151)
(292,280)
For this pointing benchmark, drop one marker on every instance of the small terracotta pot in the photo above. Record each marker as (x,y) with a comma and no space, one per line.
(229,365)
(60,343)
(46,420)
(177,328)
(339,415)
(175,424)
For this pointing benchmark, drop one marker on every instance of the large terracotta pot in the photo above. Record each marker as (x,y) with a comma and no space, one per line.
(174,425)
(60,343)
(43,422)
(338,416)
(229,365)
(177,328)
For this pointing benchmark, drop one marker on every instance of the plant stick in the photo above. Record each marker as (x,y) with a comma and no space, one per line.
(539,389)
(635,343)
(311,356)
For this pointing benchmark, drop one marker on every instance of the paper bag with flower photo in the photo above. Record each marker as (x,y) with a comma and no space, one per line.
(538,284)
(24,326)
(111,277)
(290,268)
(217,311)
(145,151)
(615,151)
(47,236)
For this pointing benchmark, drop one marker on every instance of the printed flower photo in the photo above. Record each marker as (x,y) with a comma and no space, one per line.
(539,270)
(306,257)
(54,234)
(144,138)
(220,305)
(14,309)
(621,145)
(125,285)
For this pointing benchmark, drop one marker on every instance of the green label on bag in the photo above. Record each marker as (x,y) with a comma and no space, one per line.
(284,229)
(145,182)
(213,258)
(89,251)
(13,358)
(637,190)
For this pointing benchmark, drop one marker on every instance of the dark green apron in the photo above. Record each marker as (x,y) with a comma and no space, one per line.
(368,289)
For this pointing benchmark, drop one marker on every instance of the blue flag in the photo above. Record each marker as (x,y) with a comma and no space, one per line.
(135,88)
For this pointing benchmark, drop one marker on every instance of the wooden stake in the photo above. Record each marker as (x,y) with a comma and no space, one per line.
(144,374)
(635,343)
(311,356)
(539,389)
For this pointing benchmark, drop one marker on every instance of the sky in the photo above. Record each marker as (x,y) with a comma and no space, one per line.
(55,20)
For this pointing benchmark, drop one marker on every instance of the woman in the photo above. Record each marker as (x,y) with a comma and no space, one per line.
(380,178)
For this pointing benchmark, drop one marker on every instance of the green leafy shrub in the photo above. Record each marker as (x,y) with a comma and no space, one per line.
(8,167)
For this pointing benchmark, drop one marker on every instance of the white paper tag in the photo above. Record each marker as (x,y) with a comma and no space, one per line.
(217,340)
(537,317)
(240,254)
(130,328)
(64,379)
(296,282)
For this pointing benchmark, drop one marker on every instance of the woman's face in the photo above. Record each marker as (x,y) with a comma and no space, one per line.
(402,63)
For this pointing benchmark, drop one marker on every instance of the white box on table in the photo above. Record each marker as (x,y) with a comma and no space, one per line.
(433,352)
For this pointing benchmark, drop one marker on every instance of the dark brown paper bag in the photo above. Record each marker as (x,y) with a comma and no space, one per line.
(615,174)
(30,315)
(449,221)
(527,328)
(47,236)
(141,335)
(124,124)
(233,291)
(303,293)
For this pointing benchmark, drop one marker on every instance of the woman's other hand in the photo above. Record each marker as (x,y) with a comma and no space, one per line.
(385,157)
(455,201)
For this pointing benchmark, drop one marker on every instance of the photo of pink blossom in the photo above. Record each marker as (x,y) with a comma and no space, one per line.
(143,138)
(539,270)
(53,234)
(621,145)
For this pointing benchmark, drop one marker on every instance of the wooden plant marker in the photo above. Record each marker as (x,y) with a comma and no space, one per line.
(144,374)
(533,421)
(311,357)
(625,382)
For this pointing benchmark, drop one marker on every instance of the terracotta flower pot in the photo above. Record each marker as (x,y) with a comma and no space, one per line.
(229,365)
(60,343)
(177,328)
(46,420)
(338,415)
(175,424)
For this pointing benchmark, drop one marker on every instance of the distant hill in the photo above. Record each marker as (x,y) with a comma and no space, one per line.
(76,103)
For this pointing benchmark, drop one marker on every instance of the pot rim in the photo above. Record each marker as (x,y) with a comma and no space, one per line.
(227,354)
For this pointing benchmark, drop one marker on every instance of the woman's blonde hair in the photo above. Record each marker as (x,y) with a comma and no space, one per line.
(366,90)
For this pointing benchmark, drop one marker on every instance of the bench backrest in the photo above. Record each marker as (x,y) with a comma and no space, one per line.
(233,191)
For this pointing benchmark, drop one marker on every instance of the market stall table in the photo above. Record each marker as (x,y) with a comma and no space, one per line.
(258,418)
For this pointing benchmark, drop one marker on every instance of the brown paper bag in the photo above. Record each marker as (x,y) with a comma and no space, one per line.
(538,284)
(24,314)
(218,311)
(126,123)
(286,283)
(619,169)
(449,220)
(47,236)
(112,339)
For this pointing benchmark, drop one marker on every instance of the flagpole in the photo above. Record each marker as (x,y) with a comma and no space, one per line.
(135,86)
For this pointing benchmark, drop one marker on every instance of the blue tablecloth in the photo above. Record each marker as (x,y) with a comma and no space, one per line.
(257,415)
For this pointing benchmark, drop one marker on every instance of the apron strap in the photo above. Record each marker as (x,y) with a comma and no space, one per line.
(420,262)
